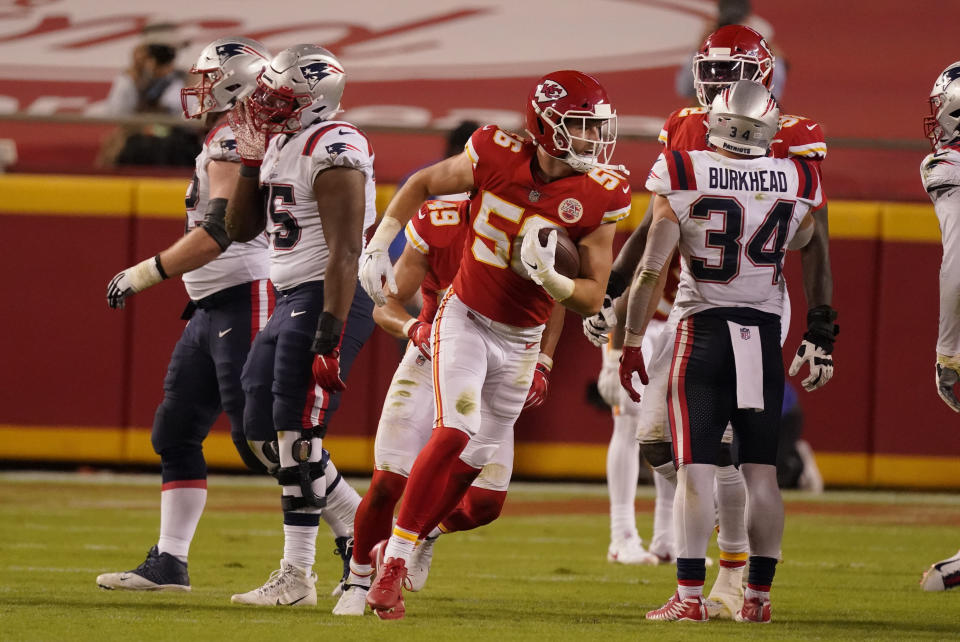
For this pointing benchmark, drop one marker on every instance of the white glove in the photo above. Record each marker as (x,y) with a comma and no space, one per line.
(608,383)
(375,265)
(134,279)
(538,260)
(597,327)
(821,365)
(251,142)
(947,379)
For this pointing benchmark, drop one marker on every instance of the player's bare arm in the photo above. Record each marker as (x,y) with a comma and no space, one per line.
(815,259)
(210,239)
(450,176)
(629,256)
(537,394)
(340,201)
(246,215)
(410,270)
(553,330)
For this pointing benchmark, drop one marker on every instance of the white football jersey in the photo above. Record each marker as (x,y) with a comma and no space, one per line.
(940,173)
(736,218)
(298,249)
(241,262)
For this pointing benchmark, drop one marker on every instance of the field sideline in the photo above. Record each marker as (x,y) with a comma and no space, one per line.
(852,565)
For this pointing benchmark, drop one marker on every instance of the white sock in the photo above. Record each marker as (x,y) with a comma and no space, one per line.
(749,593)
(400,547)
(623,469)
(361,574)
(732,504)
(341,505)
(180,510)
(435,533)
(693,510)
(663,540)
(300,545)
(686,592)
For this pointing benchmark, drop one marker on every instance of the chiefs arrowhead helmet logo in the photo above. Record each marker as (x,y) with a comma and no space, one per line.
(549,90)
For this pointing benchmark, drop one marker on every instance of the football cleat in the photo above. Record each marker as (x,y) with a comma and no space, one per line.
(691,609)
(943,575)
(287,586)
(344,549)
(159,572)
(726,596)
(754,609)
(420,564)
(353,601)
(385,593)
(631,551)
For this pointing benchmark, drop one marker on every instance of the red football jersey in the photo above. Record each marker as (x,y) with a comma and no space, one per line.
(438,232)
(508,201)
(686,130)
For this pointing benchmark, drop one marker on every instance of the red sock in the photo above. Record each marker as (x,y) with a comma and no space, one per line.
(478,507)
(374,517)
(429,476)
(461,476)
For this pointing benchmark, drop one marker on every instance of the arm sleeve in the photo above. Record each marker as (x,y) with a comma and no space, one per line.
(948,212)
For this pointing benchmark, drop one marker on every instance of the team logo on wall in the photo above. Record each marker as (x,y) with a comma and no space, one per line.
(570,210)
(549,90)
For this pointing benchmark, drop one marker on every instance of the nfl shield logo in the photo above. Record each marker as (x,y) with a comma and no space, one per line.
(745,334)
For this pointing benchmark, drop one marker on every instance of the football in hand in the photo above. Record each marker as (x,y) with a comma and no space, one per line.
(567,261)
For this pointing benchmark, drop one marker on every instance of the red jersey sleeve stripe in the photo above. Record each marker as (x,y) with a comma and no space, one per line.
(681,171)
(670,157)
(688,169)
(314,137)
(213,132)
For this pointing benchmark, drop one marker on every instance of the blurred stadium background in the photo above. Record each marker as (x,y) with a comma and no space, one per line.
(79,383)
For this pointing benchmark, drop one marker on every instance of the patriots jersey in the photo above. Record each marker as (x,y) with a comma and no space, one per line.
(736,219)
(241,262)
(298,249)
(508,201)
(940,173)
(438,231)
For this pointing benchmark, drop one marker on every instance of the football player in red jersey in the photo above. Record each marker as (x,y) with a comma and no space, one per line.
(430,259)
(487,332)
(731,53)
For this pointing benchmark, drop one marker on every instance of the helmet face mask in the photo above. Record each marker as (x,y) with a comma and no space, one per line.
(225,73)
(743,119)
(729,54)
(569,117)
(943,124)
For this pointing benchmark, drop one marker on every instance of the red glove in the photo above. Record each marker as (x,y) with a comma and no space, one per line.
(541,382)
(632,361)
(326,371)
(419,333)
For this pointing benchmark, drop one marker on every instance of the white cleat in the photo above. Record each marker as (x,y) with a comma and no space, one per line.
(726,596)
(631,551)
(943,575)
(287,586)
(353,601)
(420,564)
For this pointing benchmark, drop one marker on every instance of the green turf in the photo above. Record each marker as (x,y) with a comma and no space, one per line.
(851,571)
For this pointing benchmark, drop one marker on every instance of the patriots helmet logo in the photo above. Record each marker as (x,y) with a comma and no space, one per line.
(317,71)
(549,90)
(229,50)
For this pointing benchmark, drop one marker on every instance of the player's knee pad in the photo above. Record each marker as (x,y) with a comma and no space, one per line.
(307,468)
(478,455)
(261,456)
(658,453)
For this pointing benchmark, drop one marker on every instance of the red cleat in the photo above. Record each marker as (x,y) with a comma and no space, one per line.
(754,609)
(691,609)
(385,594)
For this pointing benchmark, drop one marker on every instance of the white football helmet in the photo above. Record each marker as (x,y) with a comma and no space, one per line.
(743,119)
(227,70)
(944,120)
(300,86)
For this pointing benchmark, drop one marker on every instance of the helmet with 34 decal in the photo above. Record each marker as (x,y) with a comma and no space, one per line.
(943,123)
(729,54)
(226,72)
(300,86)
(743,119)
(569,116)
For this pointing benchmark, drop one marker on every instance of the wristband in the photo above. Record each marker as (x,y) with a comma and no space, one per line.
(383,237)
(408,326)
(544,360)
(327,338)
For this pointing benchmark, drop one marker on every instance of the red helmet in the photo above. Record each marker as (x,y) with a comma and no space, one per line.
(569,116)
(729,54)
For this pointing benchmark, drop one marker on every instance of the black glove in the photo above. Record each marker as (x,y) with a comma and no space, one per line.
(821,329)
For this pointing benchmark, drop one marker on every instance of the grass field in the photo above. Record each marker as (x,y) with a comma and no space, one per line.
(851,570)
